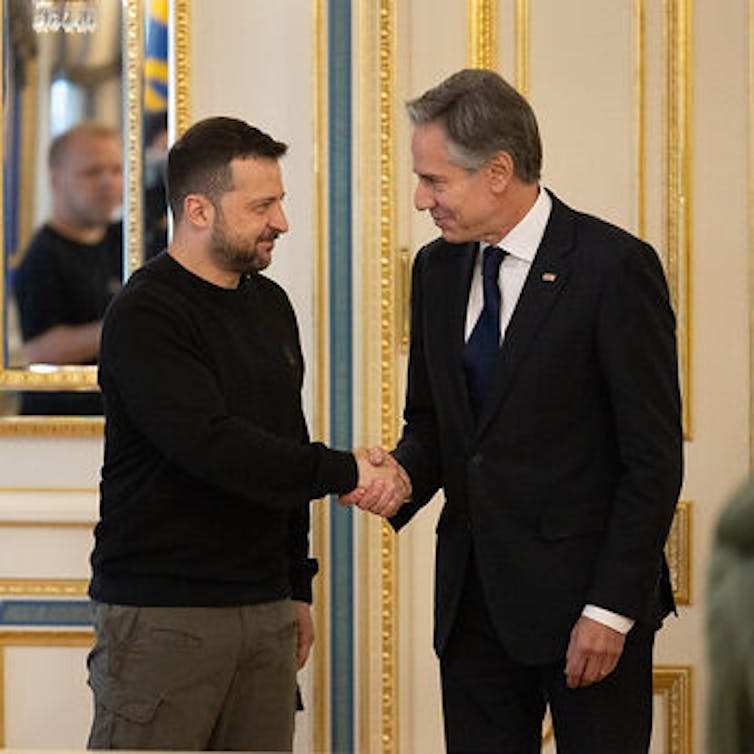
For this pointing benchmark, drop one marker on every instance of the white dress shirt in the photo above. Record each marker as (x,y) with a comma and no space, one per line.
(521,244)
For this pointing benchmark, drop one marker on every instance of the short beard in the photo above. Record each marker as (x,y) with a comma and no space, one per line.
(232,256)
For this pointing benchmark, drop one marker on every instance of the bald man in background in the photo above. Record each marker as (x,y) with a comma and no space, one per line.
(73,265)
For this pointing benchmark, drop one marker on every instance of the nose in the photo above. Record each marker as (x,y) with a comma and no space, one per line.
(278,220)
(423,198)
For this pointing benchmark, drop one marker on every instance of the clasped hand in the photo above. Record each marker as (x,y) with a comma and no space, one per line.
(383,484)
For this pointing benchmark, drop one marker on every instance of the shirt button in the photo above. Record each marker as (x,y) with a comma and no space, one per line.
(476,459)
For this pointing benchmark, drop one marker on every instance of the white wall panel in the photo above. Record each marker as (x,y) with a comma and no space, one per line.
(253,61)
(581,90)
(47,702)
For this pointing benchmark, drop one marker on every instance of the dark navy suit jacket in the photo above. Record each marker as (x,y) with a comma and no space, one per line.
(566,485)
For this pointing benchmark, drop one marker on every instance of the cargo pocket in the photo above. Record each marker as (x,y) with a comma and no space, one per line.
(122,717)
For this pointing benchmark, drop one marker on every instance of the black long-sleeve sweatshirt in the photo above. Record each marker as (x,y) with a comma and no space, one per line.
(208,466)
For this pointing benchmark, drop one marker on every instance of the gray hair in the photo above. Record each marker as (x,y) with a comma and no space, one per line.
(482,114)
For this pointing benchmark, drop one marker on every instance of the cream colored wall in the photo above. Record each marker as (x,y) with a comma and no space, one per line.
(48,504)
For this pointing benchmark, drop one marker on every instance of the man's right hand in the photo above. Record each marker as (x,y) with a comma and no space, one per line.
(383,484)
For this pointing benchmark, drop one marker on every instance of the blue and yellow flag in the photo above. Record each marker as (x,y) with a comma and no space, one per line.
(156,69)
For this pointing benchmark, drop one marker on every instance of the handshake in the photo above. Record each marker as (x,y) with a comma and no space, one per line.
(383,484)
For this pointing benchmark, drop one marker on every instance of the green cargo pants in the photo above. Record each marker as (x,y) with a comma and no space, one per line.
(188,678)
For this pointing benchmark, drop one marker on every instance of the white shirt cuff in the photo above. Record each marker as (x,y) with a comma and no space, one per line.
(608,618)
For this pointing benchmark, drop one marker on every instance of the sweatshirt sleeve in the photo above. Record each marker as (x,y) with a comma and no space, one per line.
(168,390)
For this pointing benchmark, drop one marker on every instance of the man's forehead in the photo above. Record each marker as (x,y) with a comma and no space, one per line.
(90,146)
(248,172)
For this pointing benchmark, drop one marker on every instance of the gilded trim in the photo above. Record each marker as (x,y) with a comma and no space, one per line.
(3,323)
(47,524)
(182,73)
(678,240)
(522,46)
(377,51)
(481,31)
(53,490)
(751,233)
(62,638)
(674,684)
(388,358)
(320,538)
(35,639)
(640,93)
(44,587)
(57,426)
(2,692)
(678,553)
(133,99)
(59,378)
(381,265)
(29,140)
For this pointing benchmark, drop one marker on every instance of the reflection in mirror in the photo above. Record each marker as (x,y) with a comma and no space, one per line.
(155,127)
(63,190)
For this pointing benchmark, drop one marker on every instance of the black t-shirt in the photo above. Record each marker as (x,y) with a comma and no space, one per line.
(64,282)
(208,466)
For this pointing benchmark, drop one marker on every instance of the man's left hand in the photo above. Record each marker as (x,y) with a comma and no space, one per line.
(305,631)
(593,652)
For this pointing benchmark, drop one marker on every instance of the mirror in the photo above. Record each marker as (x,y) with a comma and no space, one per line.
(117,77)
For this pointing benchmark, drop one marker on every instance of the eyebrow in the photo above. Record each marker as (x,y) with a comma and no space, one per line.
(266,199)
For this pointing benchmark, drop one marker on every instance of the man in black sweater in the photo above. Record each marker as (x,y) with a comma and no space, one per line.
(201,577)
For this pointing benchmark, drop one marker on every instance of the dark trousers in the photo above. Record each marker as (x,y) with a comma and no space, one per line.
(493,704)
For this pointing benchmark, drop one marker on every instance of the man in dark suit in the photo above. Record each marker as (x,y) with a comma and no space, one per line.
(543,398)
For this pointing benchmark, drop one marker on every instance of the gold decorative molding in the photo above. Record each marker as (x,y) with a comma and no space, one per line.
(320,528)
(2,696)
(57,426)
(389,265)
(673,683)
(44,587)
(54,638)
(58,378)
(381,266)
(182,72)
(64,490)
(640,94)
(47,524)
(522,46)
(482,33)
(678,241)
(3,323)
(29,145)
(751,232)
(133,107)
(678,553)
(35,639)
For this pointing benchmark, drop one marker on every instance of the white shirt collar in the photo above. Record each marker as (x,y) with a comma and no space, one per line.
(522,241)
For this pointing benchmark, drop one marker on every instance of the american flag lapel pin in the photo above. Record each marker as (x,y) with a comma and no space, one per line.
(549,277)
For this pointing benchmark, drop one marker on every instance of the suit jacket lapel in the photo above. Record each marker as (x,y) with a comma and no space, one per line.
(451,274)
(547,277)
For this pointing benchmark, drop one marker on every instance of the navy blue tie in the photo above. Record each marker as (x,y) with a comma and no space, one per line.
(483,345)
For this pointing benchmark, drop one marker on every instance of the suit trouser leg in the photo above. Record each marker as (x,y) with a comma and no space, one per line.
(614,715)
(491,703)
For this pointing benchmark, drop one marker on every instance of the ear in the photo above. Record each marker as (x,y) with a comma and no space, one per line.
(55,178)
(198,210)
(500,171)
